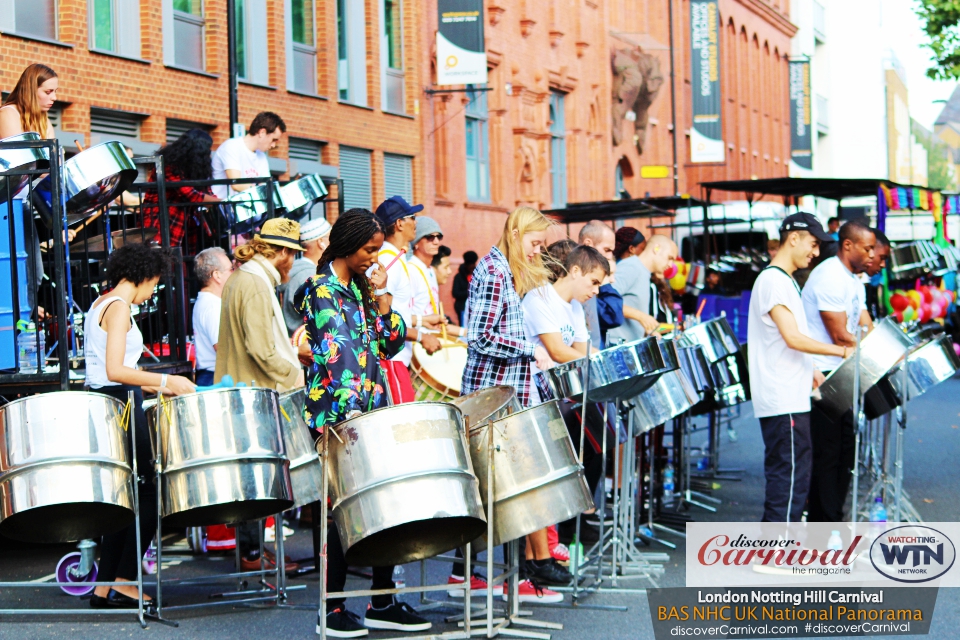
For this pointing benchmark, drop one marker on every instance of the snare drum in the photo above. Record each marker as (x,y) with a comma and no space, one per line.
(436,378)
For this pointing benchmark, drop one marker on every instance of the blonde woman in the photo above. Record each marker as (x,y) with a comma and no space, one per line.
(500,353)
(25,109)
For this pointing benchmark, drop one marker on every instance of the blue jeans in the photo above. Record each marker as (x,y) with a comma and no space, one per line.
(204,377)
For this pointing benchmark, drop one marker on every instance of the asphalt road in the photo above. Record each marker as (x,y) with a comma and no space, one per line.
(932,451)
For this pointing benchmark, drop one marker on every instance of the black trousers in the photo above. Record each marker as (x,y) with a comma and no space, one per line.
(337,573)
(118,551)
(787,464)
(833,455)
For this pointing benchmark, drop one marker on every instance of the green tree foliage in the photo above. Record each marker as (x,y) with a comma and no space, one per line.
(940,21)
(940,174)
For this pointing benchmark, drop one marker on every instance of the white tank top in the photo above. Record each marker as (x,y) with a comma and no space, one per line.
(95,345)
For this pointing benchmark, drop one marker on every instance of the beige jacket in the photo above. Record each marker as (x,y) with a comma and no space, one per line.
(248,349)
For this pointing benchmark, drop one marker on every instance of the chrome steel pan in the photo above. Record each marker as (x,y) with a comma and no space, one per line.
(492,403)
(250,205)
(698,371)
(299,196)
(671,395)
(928,364)
(615,372)
(880,351)
(65,469)
(906,262)
(715,337)
(306,473)
(402,484)
(222,457)
(23,159)
(538,480)
(96,176)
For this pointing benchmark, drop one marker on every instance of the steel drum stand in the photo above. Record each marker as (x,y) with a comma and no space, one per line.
(687,494)
(142,613)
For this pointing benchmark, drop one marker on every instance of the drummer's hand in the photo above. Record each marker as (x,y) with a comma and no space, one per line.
(379,277)
(649,324)
(430,342)
(818,378)
(433,321)
(542,358)
(71,234)
(305,353)
(178,386)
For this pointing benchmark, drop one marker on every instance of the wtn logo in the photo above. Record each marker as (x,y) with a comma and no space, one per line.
(912,553)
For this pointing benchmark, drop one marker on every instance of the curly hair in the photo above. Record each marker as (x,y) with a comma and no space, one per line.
(189,155)
(137,263)
(256,246)
(349,234)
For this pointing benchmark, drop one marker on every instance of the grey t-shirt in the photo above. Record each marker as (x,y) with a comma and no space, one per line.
(632,280)
(300,272)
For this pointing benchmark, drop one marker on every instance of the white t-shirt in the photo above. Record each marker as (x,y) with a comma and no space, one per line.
(831,287)
(544,311)
(400,287)
(780,377)
(234,154)
(206,329)
(426,291)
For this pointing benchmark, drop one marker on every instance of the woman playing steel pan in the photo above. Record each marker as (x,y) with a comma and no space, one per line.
(112,348)
(350,328)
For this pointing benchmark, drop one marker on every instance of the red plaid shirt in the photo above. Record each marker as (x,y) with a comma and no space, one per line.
(179,216)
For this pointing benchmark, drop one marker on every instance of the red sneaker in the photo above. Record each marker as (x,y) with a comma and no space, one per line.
(530,592)
(220,538)
(478,587)
(560,553)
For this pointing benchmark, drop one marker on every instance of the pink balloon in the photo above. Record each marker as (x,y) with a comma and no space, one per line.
(956,348)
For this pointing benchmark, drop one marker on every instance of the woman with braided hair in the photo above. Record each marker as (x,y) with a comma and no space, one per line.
(350,328)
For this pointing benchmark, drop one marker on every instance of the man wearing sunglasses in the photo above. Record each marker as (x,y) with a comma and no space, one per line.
(426,289)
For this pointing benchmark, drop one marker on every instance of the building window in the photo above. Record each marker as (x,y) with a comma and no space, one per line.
(115,26)
(36,18)
(477,147)
(351,51)
(305,156)
(391,55)
(398,176)
(176,128)
(302,74)
(558,151)
(355,173)
(188,26)
(618,182)
(251,41)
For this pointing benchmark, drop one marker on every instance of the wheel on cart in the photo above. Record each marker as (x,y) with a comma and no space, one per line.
(66,572)
(197,539)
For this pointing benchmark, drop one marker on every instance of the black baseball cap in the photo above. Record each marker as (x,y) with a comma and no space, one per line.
(805,222)
(394,208)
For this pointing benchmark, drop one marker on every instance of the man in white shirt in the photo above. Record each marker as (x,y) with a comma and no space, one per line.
(246,157)
(423,277)
(212,267)
(781,371)
(400,225)
(833,300)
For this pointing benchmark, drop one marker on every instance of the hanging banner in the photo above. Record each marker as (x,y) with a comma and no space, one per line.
(461,55)
(801,135)
(706,134)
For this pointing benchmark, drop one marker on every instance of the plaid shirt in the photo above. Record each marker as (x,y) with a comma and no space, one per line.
(498,352)
(178,215)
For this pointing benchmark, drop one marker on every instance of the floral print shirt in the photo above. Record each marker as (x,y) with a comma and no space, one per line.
(347,348)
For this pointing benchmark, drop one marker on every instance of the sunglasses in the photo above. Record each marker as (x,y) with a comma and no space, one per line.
(433,237)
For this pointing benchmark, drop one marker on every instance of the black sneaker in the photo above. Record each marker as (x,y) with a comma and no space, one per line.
(548,572)
(397,617)
(343,624)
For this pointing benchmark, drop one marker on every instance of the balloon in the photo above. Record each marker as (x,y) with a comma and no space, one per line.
(670,271)
(898,315)
(956,348)
(926,294)
(899,302)
(915,298)
(909,314)
(926,308)
(923,313)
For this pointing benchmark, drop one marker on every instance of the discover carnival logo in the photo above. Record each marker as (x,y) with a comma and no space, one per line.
(778,552)
(912,553)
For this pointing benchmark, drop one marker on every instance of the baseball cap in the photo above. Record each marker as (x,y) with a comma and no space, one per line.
(314,229)
(805,222)
(394,208)
(425,227)
(281,232)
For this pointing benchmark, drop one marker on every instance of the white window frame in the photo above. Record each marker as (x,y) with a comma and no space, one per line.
(255,60)
(352,76)
(477,112)
(8,21)
(388,73)
(124,24)
(170,18)
(293,48)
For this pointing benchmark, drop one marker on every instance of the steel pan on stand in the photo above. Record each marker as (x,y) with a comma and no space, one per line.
(484,405)
(94,177)
(23,159)
(306,473)
(928,364)
(715,337)
(616,372)
(402,484)
(65,469)
(250,206)
(222,458)
(299,196)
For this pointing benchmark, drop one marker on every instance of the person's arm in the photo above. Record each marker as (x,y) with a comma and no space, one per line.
(256,318)
(487,306)
(648,322)
(609,307)
(558,351)
(233,174)
(10,123)
(787,325)
(835,322)
(866,320)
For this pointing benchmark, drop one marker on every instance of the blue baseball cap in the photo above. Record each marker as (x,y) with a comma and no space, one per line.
(395,208)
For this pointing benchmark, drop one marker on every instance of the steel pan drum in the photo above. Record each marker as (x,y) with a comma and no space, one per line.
(65,469)
(671,395)
(306,473)
(402,484)
(538,479)
(23,159)
(96,176)
(249,206)
(879,352)
(715,337)
(484,405)
(928,365)
(620,371)
(906,262)
(698,371)
(222,457)
(299,196)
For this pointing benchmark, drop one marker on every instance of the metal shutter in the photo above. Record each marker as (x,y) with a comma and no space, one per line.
(355,173)
(114,123)
(303,149)
(398,176)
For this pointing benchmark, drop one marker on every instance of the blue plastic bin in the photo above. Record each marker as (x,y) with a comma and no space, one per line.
(8,340)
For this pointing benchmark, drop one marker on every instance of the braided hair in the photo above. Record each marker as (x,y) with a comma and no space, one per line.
(349,234)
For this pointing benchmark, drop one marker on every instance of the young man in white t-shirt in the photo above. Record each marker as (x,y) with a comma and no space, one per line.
(246,157)
(212,267)
(782,373)
(834,301)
